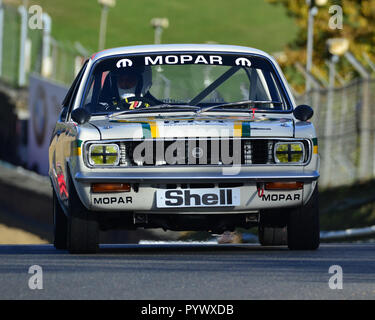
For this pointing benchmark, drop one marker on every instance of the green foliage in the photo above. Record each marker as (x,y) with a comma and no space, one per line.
(358,28)
(11,44)
(253,23)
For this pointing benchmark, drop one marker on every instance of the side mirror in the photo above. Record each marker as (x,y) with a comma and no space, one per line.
(303,112)
(80,115)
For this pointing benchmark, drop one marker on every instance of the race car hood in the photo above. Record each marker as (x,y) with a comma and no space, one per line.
(203,126)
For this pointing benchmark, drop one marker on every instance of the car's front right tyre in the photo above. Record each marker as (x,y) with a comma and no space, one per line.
(272,236)
(60,224)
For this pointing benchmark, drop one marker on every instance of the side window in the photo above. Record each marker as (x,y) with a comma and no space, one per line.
(99,92)
(63,113)
(96,90)
(70,96)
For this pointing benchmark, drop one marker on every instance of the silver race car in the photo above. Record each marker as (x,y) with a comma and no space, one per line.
(184,137)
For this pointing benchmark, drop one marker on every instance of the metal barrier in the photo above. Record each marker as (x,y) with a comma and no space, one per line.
(348,234)
(344,119)
(24,51)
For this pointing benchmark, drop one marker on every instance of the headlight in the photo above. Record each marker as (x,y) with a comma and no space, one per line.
(289,152)
(104,155)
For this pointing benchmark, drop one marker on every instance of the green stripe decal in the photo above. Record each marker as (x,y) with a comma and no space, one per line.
(315,141)
(146,130)
(246,129)
(79,143)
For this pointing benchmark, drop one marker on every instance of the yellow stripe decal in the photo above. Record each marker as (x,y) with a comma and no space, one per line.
(315,150)
(78,151)
(237,129)
(154,129)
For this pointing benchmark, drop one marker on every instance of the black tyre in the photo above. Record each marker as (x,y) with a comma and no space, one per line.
(270,236)
(60,223)
(303,225)
(83,229)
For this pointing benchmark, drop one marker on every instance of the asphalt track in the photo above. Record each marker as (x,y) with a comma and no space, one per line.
(188,272)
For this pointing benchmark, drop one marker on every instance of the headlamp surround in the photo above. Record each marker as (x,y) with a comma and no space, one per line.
(101,154)
(289,152)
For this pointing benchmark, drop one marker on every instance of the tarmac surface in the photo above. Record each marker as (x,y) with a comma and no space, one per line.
(188,272)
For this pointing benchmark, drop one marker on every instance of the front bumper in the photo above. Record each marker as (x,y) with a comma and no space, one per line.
(187,177)
(142,199)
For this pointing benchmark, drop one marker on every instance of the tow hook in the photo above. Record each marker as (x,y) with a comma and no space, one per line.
(260,187)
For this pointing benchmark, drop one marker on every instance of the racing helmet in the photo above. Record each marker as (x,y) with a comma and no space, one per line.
(132,81)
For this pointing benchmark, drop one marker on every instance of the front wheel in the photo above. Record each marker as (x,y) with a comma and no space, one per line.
(60,224)
(83,230)
(272,236)
(303,225)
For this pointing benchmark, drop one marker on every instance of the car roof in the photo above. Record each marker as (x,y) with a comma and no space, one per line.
(176,48)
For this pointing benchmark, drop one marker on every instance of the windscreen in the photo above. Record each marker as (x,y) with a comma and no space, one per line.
(202,80)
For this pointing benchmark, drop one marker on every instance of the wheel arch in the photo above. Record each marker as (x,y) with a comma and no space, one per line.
(76,186)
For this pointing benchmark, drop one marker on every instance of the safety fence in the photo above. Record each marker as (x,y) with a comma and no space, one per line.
(24,50)
(344,119)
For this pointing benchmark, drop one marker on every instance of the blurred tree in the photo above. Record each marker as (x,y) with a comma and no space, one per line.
(358,27)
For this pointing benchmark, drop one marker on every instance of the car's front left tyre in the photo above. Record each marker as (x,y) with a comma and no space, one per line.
(83,229)
(303,225)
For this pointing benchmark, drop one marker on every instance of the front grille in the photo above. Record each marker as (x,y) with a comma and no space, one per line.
(184,152)
(262,152)
(217,152)
(197,152)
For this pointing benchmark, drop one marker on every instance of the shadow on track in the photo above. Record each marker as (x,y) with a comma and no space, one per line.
(141,249)
(183,248)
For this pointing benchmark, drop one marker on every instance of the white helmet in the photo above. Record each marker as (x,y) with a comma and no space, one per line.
(142,81)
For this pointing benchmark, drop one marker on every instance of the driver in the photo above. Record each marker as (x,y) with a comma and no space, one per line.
(132,87)
(126,84)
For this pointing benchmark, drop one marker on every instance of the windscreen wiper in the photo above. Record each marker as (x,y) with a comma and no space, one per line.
(159,106)
(237,104)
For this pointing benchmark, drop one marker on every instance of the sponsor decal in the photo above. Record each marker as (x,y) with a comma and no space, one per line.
(112,200)
(183,59)
(62,184)
(197,198)
(60,179)
(243,62)
(123,63)
(281,197)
